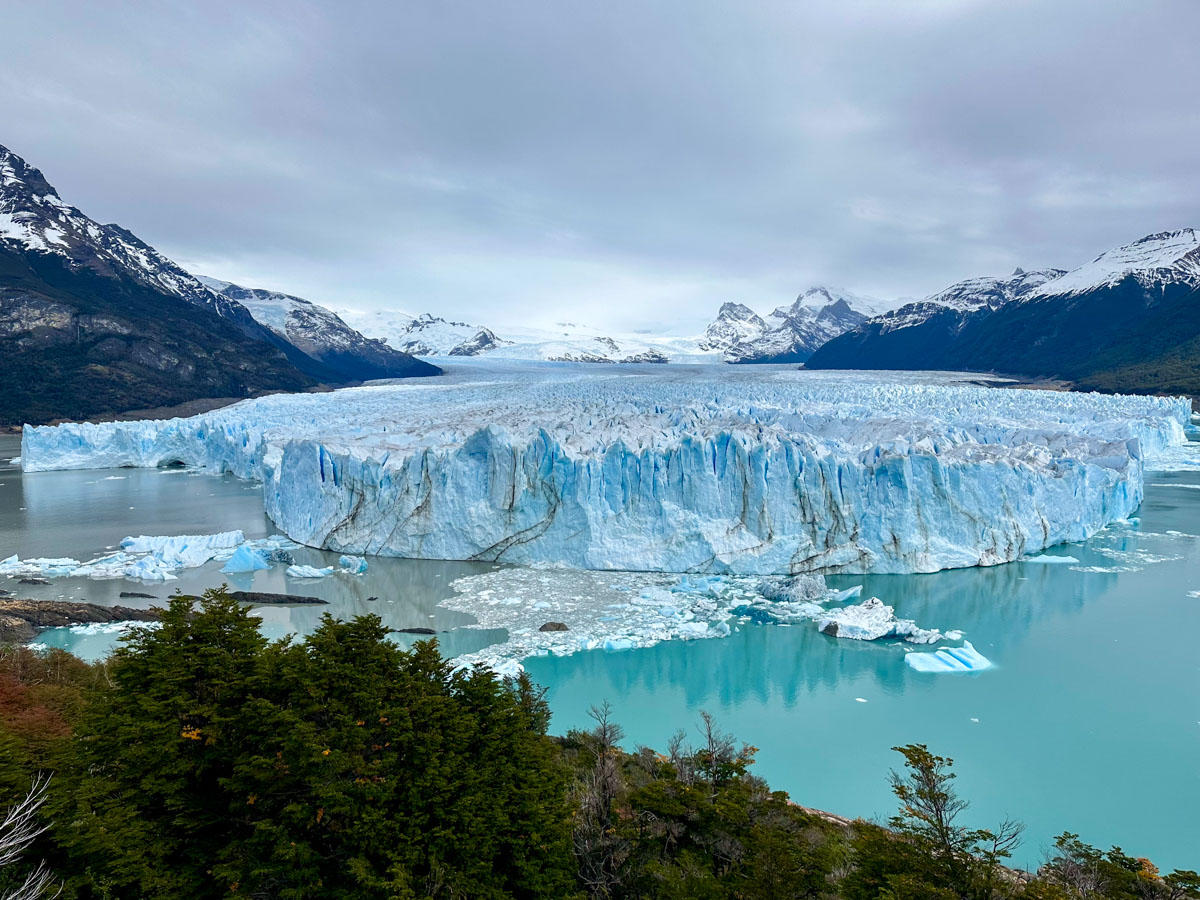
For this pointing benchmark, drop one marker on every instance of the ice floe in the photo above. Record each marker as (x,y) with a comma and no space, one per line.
(626,610)
(704,471)
(309,571)
(949,659)
(872,620)
(153,558)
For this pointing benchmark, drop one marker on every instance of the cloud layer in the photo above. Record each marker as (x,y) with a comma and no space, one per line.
(628,164)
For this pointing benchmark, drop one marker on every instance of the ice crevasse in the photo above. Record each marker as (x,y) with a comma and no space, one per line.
(778,472)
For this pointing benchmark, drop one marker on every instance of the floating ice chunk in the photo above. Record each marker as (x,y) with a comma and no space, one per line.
(1049,559)
(797,589)
(309,571)
(353,565)
(949,659)
(246,559)
(110,627)
(1194,594)
(871,620)
(224,540)
(39,567)
(847,594)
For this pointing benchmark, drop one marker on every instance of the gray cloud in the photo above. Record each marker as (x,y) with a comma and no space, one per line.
(629,164)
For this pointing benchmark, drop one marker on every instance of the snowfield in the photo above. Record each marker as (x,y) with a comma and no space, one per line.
(759,470)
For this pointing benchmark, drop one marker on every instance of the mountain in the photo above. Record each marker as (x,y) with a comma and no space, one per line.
(790,333)
(429,335)
(735,323)
(920,331)
(321,334)
(1127,321)
(94,320)
(426,334)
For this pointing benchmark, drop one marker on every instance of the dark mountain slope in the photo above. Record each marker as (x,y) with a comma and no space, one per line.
(76,344)
(1128,321)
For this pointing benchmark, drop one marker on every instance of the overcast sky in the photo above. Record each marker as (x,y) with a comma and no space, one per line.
(626,163)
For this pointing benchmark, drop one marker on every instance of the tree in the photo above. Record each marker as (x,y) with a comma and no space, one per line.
(19,828)
(337,766)
(927,845)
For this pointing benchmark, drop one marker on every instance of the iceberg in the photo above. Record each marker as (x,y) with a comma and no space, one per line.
(707,472)
(246,559)
(949,659)
(353,565)
(184,551)
(155,558)
(308,571)
(872,620)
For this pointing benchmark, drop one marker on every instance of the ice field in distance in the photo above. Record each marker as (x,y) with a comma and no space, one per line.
(702,469)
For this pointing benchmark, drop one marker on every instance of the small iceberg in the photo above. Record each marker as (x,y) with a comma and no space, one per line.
(873,619)
(949,659)
(246,559)
(1047,559)
(353,565)
(309,571)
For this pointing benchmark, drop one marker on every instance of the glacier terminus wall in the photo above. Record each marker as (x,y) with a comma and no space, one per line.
(761,470)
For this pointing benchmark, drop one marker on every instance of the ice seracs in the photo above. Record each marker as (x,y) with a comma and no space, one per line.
(754,472)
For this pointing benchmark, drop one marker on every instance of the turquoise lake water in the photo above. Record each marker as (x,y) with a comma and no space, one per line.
(1089,722)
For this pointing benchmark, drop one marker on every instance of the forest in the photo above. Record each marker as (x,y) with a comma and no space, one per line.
(201,760)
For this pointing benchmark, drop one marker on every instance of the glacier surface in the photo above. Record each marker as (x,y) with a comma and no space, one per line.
(695,469)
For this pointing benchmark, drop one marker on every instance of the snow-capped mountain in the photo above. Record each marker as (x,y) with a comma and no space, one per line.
(429,335)
(735,323)
(317,331)
(33,217)
(1168,257)
(1128,320)
(95,320)
(426,334)
(965,298)
(790,333)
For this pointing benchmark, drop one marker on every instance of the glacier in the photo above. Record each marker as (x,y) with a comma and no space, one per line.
(696,469)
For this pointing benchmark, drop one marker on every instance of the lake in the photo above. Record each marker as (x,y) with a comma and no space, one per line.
(1089,721)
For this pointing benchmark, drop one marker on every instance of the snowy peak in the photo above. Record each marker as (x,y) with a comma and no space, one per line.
(1164,258)
(793,333)
(426,334)
(735,323)
(34,218)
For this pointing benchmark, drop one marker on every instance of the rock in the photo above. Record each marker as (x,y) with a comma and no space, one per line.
(414,631)
(554,626)
(33,581)
(21,620)
(138,595)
